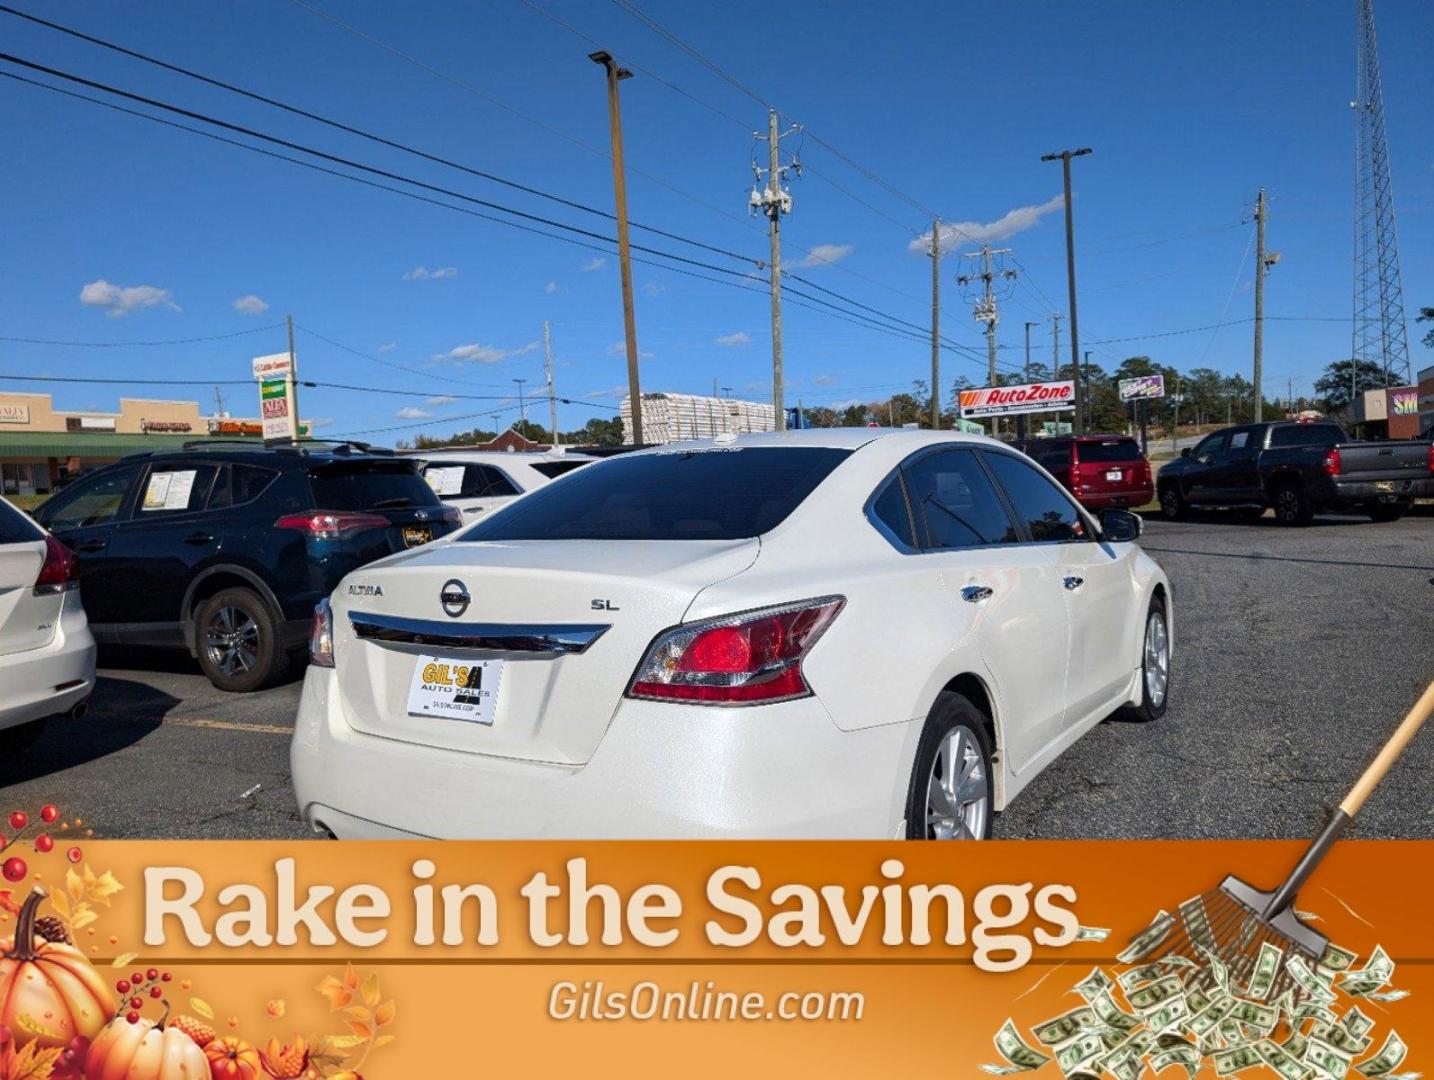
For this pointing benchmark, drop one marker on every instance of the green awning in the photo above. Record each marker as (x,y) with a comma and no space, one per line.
(60,444)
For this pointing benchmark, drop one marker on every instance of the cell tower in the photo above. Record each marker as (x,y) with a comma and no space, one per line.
(1380,335)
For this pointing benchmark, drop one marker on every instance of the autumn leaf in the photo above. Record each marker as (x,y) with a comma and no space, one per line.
(338,994)
(363,1031)
(334,1044)
(123,960)
(101,889)
(7,902)
(202,1007)
(351,979)
(32,1062)
(84,915)
(74,885)
(276,1008)
(383,1040)
(371,995)
(359,1013)
(383,1015)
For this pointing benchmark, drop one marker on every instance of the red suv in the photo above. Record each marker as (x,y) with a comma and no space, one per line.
(1099,470)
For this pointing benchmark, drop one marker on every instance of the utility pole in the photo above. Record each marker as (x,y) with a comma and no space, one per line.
(774,201)
(522,406)
(1261,211)
(936,324)
(1026,374)
(292,379)
(1056,318)
(1084,378)
(1064,157)
(985,307)
(624,254)
(548,370)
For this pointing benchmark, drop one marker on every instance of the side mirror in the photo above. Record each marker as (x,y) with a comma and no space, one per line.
(1120,526)
(1185,451)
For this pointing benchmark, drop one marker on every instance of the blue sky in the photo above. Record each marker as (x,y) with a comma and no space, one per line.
(1190,109)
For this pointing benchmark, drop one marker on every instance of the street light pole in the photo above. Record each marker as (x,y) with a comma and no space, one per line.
(522,406)
(624,254)
(1064,157)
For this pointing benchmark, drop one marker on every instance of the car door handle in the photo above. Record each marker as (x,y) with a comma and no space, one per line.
(974,594)
(91,545)
(199,538)
(1073,582)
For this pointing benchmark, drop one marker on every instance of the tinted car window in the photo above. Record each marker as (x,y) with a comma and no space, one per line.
(91,501)
(1116,450)
(1240,440)
(484,481)
(554,469)
(1211,444)
(1306,435)
(955,504)
(696,495)
(369,486)
(175,489)
(238,484)
(16,528)
(891,510)
(1046,510)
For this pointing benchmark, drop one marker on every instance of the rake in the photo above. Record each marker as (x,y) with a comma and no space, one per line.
(1234,921)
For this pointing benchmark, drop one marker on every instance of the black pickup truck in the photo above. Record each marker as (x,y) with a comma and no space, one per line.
(1299,469)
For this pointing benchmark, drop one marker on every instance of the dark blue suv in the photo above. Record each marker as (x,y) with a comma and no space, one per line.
(225,548)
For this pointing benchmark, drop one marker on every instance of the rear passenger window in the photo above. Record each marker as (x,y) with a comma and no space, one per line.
(1048,513)
(890,509)
(239,484)
(16,528)
(175,489)
(484,481)
(954,503)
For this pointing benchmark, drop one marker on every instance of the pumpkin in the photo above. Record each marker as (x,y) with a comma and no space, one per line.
(49,993)
(232,1059)
(144,1050)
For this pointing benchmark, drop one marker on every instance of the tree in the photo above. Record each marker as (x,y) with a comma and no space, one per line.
(1333,386)
(1426,314)
(853,416)
(599,431)
(820,416)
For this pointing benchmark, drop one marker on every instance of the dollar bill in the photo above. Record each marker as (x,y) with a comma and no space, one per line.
(1282,1061)
(1075,1054)
(1340,1038)
(1257,1015)
(1391,1055)
(1235,1059)
(1209,1018)
(1142,974)
(1356,1022)
(1112,1015)
(1186,1056)
(1197,923)
(1313,1010)
(1063,1028)
(1168,1015)
(1021,1056)
(1267,966)
(1375,974)
(1387,995)
(1151,996)
(1092,933)
(1335,958)
(1094,984)
(1296,1044)
(1217,969)
(1329,1060)
(1197,999)
(1149,939)
(1308,981)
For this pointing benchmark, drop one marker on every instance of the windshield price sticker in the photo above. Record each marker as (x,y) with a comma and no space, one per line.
(169,490)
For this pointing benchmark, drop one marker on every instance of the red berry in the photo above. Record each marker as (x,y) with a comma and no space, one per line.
(49,813)
(14,869)
(74,854)
(166,977)
(132,1017)
(155,991)
(137,978)
(136,1003)
(152,974)
(122,986)
(44,843)
(19,819)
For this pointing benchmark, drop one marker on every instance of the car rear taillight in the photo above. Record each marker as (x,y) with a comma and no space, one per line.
(1330,465)
(1431,457)
(321,635)
(754,657)
(59,570)
(331,524)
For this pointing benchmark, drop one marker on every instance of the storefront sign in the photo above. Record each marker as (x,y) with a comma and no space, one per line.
(14,414)
(176,427)
(1403,402)
(89,423)
(1146,386)
(274,408)
(268,367)
(1012,400)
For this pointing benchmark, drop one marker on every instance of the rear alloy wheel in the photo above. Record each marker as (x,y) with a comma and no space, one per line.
(238,641)
(950,794)
(1291,505)
(1390,511)
(1173,506)
(1154,668)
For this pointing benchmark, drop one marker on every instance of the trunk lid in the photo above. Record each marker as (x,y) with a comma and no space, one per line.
(1384,460)
(550,706)
(1109,465)
(28,620)
(391,489)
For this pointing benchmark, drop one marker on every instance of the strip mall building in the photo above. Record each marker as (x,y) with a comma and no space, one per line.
(41,447)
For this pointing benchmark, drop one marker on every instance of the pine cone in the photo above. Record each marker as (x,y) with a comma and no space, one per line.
(52,929)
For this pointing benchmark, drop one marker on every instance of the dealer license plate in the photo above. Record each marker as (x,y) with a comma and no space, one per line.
(455,689)
(1384,485)
(414,535)
(1113,474)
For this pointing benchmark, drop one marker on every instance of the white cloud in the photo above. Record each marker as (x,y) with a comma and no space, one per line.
(612,392)
(388,346)
(409,412)
(250,305)
(320,422)
(741,337)
(422,273)
(824,379)
(595,263)
(975,232)
(758,386)
(119,300)
(482,354)
(551,287)
(653,288)
(440,399)
(825,255)
(619,348)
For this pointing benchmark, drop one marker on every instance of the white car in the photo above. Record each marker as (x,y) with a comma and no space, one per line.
(824,633)
(47,655)
(477,481)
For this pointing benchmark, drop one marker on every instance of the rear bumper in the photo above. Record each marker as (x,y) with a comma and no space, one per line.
(1104,500)
(661,771)
(47,681)
(1366,490)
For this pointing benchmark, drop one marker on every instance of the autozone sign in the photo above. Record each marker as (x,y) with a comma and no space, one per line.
(1010,400)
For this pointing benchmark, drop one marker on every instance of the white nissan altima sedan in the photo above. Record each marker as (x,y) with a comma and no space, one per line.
(828,633)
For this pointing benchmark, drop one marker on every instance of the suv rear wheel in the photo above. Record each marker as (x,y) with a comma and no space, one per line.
(1172,504)
(237,638)
(950,794)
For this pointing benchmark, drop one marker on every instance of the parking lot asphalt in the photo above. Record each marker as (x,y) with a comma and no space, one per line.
(1297,651)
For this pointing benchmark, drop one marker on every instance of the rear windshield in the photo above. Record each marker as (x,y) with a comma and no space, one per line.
(554,469)
(696,495)
(15,527)
(370,486)
(1119,450)
(1306,435)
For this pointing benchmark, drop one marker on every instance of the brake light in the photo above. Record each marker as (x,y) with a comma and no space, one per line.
(321,635)
(751,658)
(331,524)
(58,571)
(1431,457)
(1331,462)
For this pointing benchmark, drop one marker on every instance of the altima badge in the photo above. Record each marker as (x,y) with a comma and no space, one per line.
(454,598)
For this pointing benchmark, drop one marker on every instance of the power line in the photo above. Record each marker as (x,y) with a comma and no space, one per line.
(140,344)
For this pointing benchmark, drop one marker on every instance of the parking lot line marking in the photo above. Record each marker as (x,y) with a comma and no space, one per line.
(228,725)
